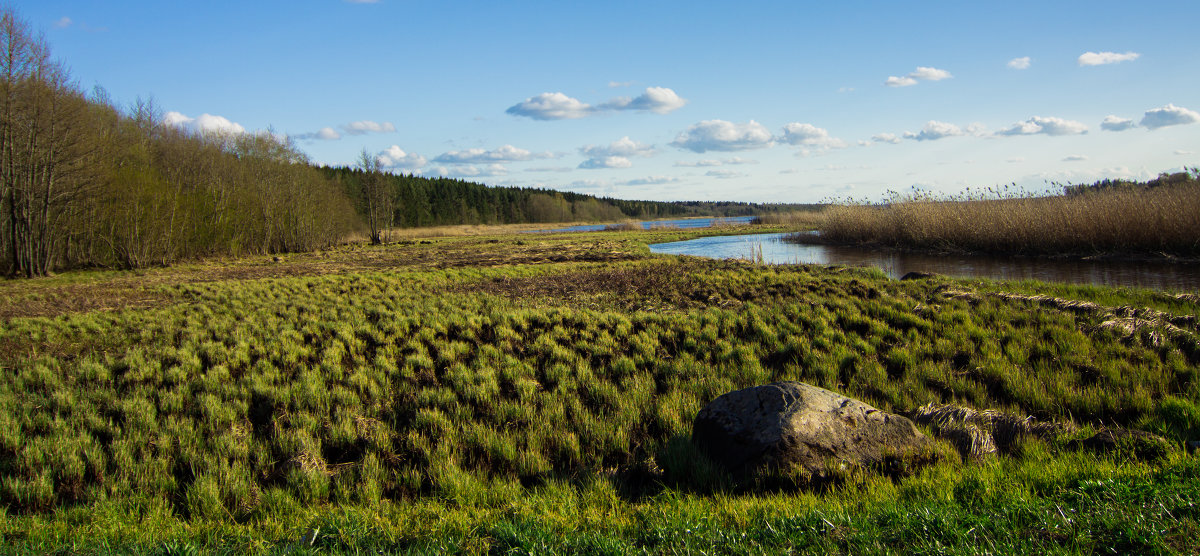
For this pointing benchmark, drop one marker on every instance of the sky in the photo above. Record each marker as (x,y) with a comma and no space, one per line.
(752,101)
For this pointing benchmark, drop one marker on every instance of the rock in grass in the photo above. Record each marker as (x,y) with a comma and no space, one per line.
(793,427)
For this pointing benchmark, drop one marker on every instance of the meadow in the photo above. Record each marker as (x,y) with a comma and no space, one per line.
(518,393)
(1157,219)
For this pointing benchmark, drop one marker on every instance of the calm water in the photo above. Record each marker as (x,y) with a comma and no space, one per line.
(679,223)
(1159,276)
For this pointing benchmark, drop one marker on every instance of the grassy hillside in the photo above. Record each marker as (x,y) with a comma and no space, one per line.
(535,393)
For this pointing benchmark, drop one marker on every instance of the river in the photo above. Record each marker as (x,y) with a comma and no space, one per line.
(771,248)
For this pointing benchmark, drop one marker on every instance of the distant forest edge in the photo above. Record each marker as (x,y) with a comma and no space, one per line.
(424,201)
(86,183)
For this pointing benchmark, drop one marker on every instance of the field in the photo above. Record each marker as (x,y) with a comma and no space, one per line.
(517,393)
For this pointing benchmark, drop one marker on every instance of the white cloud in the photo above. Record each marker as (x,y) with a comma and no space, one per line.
(934,130)
(204,123)
(1045,126)
(550,169)
(885,138)
(1075,158)
(1019,63)
(615,154)
(558,106)
(606,162)
(652,180)
(1169,115)
(1182,152)
(659,100)
(367,126)
(550,106)
(725,174)
(619,84)
(845,89)
(922,73)
(506,153)
(1016,159)
(328,134)
(930,74)
(395,158)
(809,135)
(721,135)
(1114,123)
(1103,58)
(893,81)
(621,147)
(63,23)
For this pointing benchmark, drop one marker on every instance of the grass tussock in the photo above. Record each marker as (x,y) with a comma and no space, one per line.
(399,401)
(1136,220)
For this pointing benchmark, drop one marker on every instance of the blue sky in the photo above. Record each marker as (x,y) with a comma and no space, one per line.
(748,101)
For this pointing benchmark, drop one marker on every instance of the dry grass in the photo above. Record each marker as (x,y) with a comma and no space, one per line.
(1159,221)
(801,219)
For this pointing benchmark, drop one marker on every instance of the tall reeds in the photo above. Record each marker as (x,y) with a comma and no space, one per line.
(1138,220)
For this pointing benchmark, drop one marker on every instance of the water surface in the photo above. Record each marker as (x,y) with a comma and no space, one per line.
(771,249)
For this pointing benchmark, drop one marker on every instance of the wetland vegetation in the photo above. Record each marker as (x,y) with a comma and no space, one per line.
(513,393)
(1156,219)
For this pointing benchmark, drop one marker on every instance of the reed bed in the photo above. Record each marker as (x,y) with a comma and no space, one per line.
(1140,221)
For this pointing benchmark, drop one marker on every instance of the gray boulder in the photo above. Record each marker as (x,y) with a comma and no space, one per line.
(791,426)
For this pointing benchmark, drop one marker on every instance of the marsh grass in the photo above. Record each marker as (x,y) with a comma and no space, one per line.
(483,407)
(1144,221)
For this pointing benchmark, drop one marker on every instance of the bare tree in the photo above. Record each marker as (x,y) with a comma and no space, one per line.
(378,196)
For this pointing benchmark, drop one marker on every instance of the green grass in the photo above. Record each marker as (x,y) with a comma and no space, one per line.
(546,406)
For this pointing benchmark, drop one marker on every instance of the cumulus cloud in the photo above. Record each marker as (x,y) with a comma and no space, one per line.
(558,106)
(934,130)
(1169,115)
(367,126)
(809,135)
(893,81)
(394,157)
(63,23)
(1114,123)
(1075,158)
(550,106)
(1103,58)
(615,154)
(659,100)
(1019,63)
(621,147)
(885,138)
(721,135)
(606,162)
(204,123)
(1045,126)
(922,73)
(506,153)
